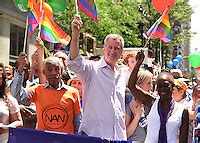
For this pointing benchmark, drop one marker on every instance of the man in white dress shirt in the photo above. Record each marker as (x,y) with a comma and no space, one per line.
(103,87)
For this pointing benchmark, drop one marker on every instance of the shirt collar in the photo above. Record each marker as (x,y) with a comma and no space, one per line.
(104,64)
(61,86)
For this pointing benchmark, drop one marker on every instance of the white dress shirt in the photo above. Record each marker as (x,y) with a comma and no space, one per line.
(103,98)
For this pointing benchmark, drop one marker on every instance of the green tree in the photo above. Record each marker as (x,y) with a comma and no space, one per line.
(126,19)
(179,17)
(121,18)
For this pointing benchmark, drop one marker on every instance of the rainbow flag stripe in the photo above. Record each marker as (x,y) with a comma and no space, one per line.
(161,29)
(31,3)
(51,32)
(34,16)
(35,7)
(89,8)
(32,22)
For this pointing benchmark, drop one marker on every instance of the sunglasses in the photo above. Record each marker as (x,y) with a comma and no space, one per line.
(178,87)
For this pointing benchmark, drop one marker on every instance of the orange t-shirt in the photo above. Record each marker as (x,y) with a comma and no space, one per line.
(55,108)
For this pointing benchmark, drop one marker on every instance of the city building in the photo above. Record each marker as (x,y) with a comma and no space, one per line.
(12,33)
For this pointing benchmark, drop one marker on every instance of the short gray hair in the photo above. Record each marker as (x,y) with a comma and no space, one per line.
(115,36)
(53,60)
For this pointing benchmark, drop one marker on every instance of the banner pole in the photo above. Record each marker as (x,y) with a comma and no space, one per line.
(76,7)
(25,35)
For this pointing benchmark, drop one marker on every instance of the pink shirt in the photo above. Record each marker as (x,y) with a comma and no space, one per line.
(7,108)
(103,99)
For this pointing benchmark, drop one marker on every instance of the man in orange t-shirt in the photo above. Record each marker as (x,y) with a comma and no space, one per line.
(57,105)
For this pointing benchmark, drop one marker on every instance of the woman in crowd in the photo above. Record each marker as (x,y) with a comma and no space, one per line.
(193,111)
(135,115)
(179,92)
(9,112)
(129,61)
(76,83)
(167,120)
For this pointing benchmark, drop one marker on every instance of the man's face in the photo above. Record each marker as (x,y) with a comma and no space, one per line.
(53,74)
(112,51)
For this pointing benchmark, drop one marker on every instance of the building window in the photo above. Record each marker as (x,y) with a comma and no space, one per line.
(16,39)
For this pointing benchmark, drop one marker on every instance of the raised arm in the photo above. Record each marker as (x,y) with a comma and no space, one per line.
(33,65)
(74,44)
(138,93)
(40,45)
(16,86)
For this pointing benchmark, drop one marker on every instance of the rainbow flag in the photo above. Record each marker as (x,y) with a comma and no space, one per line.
(51,32)
(161,29)
(32,22)
(34,16)
(89,8)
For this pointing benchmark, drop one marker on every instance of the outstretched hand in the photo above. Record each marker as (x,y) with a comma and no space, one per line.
(77,24)
(140,57)
(39,43)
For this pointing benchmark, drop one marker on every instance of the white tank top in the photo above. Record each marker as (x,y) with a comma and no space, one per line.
(172,126)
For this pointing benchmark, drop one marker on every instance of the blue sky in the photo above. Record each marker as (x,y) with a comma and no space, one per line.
(195,25)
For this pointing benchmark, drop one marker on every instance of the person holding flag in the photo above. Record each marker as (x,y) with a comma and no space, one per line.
(103,87)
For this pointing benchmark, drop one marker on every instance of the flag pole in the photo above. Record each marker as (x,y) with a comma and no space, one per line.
(159,21)
(40,21)
(76,7)
(161,63)
(25,35)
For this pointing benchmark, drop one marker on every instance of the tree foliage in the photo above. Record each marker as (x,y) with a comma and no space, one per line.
(121,18)
(126,19)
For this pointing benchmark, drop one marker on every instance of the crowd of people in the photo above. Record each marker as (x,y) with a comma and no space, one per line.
(96,96)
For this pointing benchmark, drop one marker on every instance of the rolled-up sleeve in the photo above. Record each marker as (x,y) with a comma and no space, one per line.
(75,64)
(80,66)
